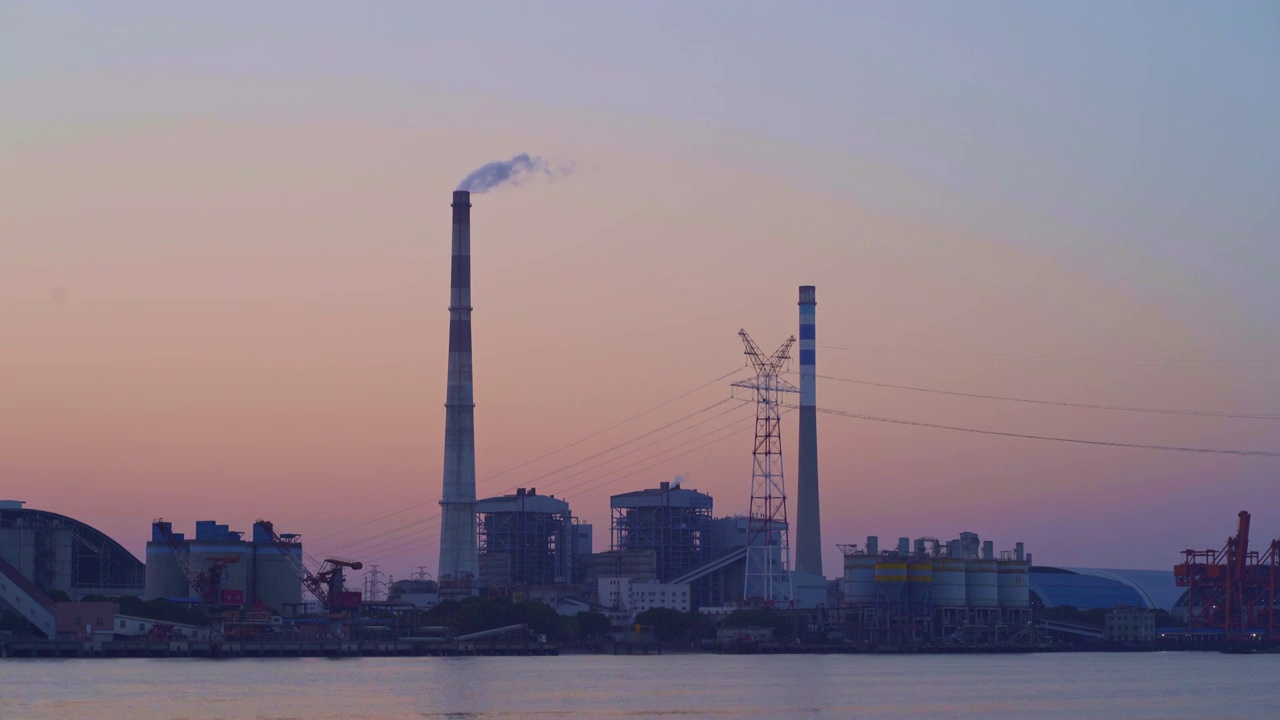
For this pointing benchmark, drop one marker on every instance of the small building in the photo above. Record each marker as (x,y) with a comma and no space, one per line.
(620,593)
(80,620)
(1129,625)
(419,593)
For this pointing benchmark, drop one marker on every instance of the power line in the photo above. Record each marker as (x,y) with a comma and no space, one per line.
(1125,408)
(1261,363)
(412,545)
(616,425)
(407,508)
(1170,448)
(739,421)
(637,449)
(383,537)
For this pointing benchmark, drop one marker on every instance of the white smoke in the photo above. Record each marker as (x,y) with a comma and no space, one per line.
(516,171)
(676,483)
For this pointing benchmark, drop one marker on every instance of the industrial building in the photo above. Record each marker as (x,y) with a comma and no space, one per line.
(672,522)
(929,592)
(1100,588)
(529,539)
(244,573)
(58,554)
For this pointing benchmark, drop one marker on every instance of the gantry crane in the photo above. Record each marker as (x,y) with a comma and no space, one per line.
(1234,588)
(327,583)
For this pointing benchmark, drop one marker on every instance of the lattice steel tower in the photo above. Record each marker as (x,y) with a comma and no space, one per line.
(768,577)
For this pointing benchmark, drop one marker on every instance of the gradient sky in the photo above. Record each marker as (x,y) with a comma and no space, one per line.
(224,247)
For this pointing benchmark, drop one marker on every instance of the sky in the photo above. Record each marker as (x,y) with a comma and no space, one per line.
(224,261)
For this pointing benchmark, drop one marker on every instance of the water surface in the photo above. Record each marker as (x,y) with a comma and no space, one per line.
(1080,685)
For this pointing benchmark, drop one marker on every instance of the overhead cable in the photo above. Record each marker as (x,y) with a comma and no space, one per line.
(1124,408)
(1140,446)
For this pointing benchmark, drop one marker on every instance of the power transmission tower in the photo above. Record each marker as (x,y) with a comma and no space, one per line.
(373,590)
(422,573)
(768,577)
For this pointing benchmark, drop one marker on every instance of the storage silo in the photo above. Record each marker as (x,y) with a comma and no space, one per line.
(981,586)
(920,583)
(949,583)
(164,578)
(1014,592)
(859,579)
(891,583)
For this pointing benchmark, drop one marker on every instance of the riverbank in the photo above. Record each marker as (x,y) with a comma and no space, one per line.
(265,648)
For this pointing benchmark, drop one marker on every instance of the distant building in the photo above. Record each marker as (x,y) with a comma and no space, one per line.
(529,539)
(1129,625)
(625,594)
(672,522)
(253,572)
(1098,588)
(419,593)
(58,554)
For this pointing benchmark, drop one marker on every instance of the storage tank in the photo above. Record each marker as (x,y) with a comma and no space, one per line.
(164,578)
(859,579)
(891,582)
(920,583)
(1012,581)
(949,583)
(980,584)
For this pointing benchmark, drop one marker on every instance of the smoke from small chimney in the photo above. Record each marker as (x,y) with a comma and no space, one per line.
(513,172)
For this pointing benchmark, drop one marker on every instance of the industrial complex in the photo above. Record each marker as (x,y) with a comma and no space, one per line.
(666,549)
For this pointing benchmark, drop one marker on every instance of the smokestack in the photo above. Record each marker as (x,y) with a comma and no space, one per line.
(808,519)
(458,554)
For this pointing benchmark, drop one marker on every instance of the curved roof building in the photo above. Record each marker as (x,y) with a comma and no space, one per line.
(1095,588)
(57,553)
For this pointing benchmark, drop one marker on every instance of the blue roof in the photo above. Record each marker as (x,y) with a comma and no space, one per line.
(1093,588)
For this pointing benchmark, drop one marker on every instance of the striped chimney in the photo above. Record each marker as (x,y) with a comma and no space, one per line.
(458,554)
(808,517)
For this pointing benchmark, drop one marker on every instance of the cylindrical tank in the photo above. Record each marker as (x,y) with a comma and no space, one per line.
(891,582)
(949,583)
(1012,581)
(980,584)
(164,578)
(920,583)
(859,579)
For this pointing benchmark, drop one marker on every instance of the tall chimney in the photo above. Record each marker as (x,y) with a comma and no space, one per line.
(458,555)
(808,518)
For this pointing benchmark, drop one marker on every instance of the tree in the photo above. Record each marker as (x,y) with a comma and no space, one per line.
(593,624)
(667,624)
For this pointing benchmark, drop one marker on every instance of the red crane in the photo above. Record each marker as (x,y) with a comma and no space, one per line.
(327,583)
(1232,589)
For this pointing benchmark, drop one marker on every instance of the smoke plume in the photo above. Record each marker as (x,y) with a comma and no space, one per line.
(516,171)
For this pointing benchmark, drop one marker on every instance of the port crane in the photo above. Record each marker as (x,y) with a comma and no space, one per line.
(1232,589)
(206,578)
(328,583)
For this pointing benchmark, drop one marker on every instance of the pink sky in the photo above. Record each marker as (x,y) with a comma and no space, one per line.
(237,310)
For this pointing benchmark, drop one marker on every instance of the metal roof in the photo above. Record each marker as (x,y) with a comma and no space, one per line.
(1091,588)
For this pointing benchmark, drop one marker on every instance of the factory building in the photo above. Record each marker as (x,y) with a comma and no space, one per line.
(247,572)
(672,522)
(527,539)
(958,593)
(58,554)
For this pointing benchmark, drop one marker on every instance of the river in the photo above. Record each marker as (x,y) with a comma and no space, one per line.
(1076,685)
